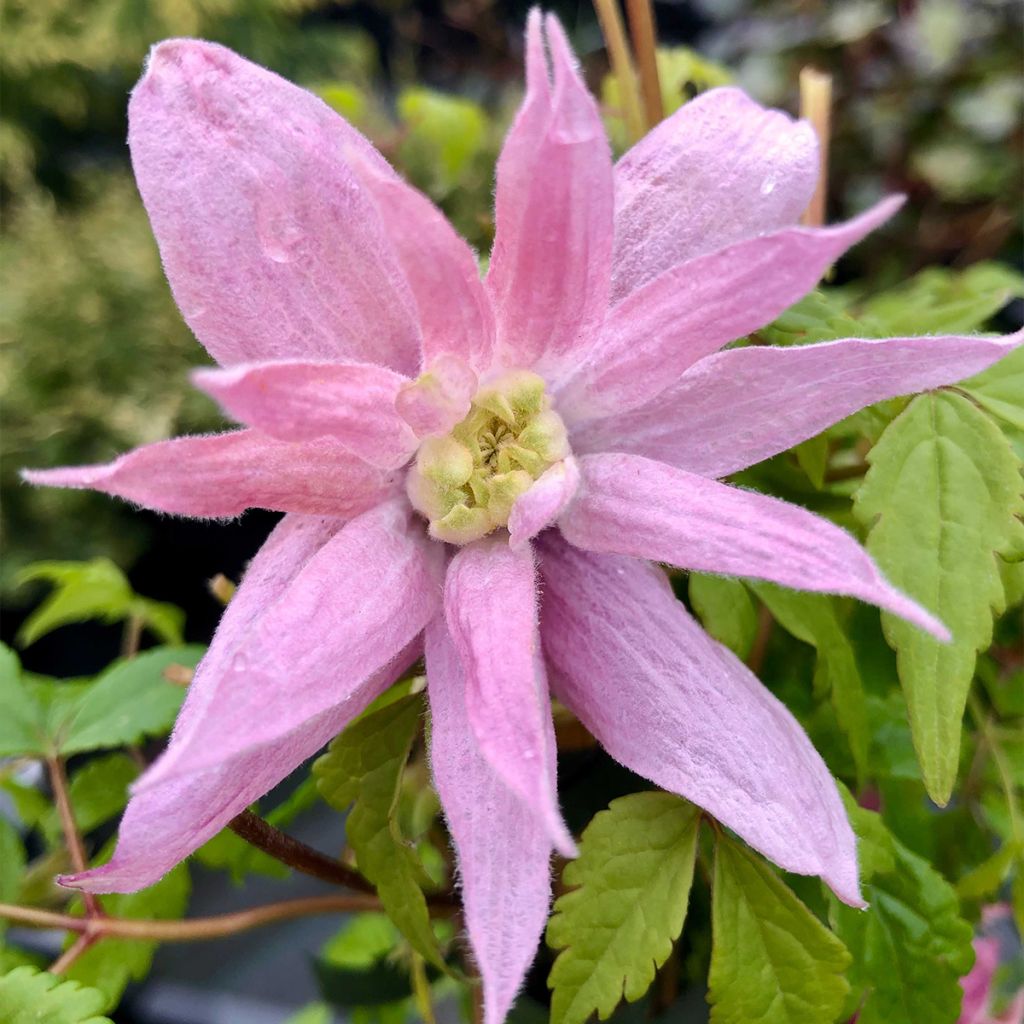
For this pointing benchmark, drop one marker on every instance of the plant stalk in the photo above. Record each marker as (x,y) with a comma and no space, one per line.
(622,65)
(645,44)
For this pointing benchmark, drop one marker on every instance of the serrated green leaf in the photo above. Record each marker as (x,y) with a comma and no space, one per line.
(941,497)
(20,723)
(631,884)
(943,301)
(129,701)
(821,315)
(772,960)
(726,611)
(363,767)
(31,996)
(12,865)
(1000,388)
(910,947)
(98,791)
(814,619)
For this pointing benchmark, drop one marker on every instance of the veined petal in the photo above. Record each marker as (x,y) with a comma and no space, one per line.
(490,604)
(221,475)
(676,707)
(738,407)
(273,246)
(503,849)
(544,502)
(630,505)
(300,401)
(720,169)
(549,271)
(695,308)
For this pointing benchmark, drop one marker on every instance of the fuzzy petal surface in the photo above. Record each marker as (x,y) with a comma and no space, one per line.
(503,850)
(630,505)
(221,475)
(735,408)
(544,502)
(490,605)
(300,401)
(439,398)
(551,264)
(693,309)
(273,246)
(718,170)
(674,706)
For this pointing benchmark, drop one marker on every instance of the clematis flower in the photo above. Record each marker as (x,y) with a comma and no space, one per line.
(484,471)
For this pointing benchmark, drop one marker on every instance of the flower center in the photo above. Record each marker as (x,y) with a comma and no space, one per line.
(466,482)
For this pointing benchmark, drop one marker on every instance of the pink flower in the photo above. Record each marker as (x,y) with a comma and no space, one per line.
(422,429)
(978,985)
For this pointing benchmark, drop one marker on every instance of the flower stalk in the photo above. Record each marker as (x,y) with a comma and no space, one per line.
(645,44)
(816,107)
(619,57)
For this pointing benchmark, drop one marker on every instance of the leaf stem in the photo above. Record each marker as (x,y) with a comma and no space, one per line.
(622,65)
(765,624)
(645,44)
(72,837)
(132,636)
(84,941)
(984,724)
(816,107)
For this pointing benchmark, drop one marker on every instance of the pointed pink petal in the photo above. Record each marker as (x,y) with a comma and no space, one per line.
(744,405)
(273,247)
(344,610)
(502,848)
(544,502)
(490,605)
(630,505)
(222,475)
(676,707)
(720,169)
(695,308)
(300,401)
(439,398)
(549,270)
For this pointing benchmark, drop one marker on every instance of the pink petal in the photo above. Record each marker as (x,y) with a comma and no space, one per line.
(544,502)
(630,505)
(224,474)
(300,401)
(738,407)
(273,247)
(503,849)
(676,707)
(550,267)
(977,985)
(490,605)
(695,308)
(322,623)
(720,169)
(439,398)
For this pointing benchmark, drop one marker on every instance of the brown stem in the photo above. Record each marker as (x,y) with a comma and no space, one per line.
(72,838)
(645,45)
(765,623)
(622,65)
(132,636)
(72,953)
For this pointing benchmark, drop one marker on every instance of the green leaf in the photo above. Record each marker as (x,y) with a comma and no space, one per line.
(725,610)
(12,866)
(315,1013)
(20,723)
(443,132)
(943,301)
(985,879)
(814,619)
(772,960)
(910,947)
(31,996)
(110,965)
(940,498)
(1000,388)
(631,885)
(98,791)
(130,701)
(820,315)
(364,767)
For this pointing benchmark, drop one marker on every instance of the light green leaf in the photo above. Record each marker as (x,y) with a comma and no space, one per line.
(315,1013)
(20,724)
(943,301)
(362,941)
(631,885)
(31,996)
(130,701)
(772,960)
(812,458)
(167,621)
(985,879)
(820,315)
(443,132)
(941,496)
(363,767)
(910,947)
(814,619)
(1000,388)
(98,791)
(12,865)
(726,611)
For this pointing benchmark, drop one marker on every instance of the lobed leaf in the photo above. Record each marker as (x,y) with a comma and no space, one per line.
(631,887)
(31,996)
(20,724)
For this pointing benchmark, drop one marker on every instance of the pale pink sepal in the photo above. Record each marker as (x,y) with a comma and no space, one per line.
(550,267)
(630,505)
(718,170)
(693,309)
(221,475)
(490,605)
(503,850)
(294,400)
(544,502)
(738,407)
(273,246)
(681,710)
(439,398)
